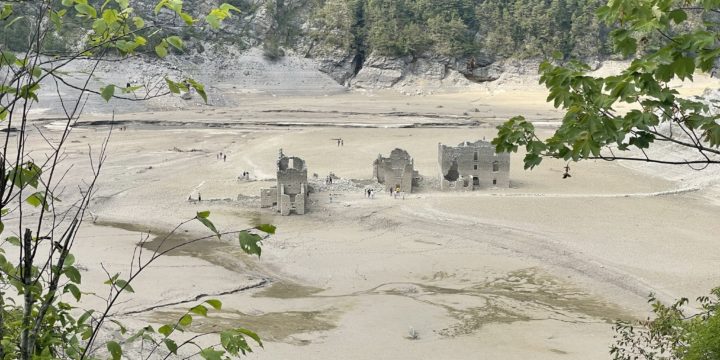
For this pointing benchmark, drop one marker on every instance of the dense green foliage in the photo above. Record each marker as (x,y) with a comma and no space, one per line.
(452,28)
(623,117)
(672,334)
(41,313)
(594,128)
(519,28)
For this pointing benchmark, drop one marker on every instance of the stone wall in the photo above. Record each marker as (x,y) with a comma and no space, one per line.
(472,166)
(397,170)
(291,191)
(268,197)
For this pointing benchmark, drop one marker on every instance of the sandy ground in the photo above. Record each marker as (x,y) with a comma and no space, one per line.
(539,270)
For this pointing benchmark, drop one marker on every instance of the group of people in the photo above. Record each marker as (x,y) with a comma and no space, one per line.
(199,198)
(245,175)
(222,156)
(396,192)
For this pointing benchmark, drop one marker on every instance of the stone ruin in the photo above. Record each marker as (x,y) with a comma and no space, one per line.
(291,192)
(395,171)
(472,166)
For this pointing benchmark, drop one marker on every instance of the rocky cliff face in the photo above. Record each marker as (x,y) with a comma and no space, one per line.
(282,31)
(288,33)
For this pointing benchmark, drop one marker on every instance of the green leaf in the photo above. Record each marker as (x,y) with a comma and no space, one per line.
(250,243)
(203,214)
(234,342)
(2,227)
(175,41)
(173,86)
(73,289)
(56,19)
(73,274)
(85,316)
(68,3)
(86,10)
(114,349)
(684,67)
(213,21)
(200,310)
(199,88)
(112,280)
(37,199)
(107,92)
(166,330)
(140,41)
(532,160)
(139,22)
(69,260)
(110,16)
(266,228)
(187,18)
(161,50)
(7,10)
(227,8)
(185,320)
(122,284)
(678,16)
(216,304)
(171,345)
(122,327)
(251,334)
(25,175)
(208,224)
(7,58)
(211,354)
(160,4)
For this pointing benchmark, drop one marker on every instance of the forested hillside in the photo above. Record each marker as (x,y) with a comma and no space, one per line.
(390,36)
(499,28)
(514,28)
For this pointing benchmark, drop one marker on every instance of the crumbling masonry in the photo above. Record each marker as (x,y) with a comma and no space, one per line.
(472,166)
(291,192)
(395,171)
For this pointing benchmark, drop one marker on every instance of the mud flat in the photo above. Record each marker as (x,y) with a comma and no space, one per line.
(538,270)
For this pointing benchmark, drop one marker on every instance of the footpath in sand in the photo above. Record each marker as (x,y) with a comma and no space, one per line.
(539,270)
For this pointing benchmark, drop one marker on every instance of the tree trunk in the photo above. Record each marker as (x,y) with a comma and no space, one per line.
(25,343)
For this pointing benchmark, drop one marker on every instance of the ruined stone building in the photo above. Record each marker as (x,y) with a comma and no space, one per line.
(291,192)
(471,166)
(397,170)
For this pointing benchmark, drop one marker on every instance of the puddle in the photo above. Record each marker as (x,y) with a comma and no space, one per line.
(523,295)
(260,217)
(284,290)
(530,286)
(224,253)
(274,326)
